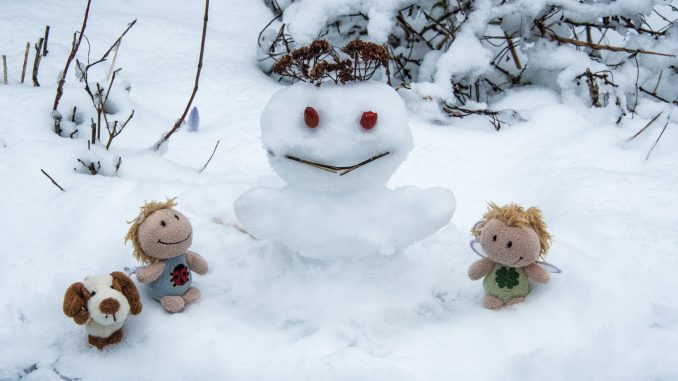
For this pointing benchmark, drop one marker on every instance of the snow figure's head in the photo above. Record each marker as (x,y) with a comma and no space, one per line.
(336,137)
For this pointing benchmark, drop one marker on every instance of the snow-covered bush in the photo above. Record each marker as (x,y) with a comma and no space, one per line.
(456,58)
(103,107)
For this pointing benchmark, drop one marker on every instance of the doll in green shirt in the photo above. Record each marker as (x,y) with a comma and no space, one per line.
(513,239)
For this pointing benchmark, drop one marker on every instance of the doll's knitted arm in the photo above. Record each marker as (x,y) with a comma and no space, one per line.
(480,268)
(196,262)
(537,274)
(151,272)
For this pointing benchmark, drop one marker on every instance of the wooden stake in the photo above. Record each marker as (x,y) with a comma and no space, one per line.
(36,62)
(23,70)
(44,47)
(4,69)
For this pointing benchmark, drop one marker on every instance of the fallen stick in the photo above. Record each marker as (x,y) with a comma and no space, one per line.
(53,181)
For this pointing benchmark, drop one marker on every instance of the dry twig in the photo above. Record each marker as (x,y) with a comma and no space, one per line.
(668,119)
(211,156)
(53,181)
(180,121)
(74,49)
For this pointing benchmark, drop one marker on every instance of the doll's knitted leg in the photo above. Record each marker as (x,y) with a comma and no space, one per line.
(492,302)
(172,303)
(519,299)
(191,295)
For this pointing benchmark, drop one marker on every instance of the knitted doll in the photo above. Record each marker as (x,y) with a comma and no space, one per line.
(161,237)
(513,239)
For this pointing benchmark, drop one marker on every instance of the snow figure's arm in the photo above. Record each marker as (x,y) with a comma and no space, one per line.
(262,212)
(151,272)
(536,274)
(418,213)
(480,268)
(196,262)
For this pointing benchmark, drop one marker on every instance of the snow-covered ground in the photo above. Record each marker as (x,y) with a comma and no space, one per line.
(611,314)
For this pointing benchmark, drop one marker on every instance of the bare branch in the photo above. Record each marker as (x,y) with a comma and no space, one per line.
(179,122)
(74,49)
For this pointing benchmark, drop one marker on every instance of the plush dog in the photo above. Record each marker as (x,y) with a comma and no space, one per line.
(514,239)
(102,303)
(161,237)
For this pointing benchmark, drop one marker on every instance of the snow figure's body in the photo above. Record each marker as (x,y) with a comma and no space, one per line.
(336,146)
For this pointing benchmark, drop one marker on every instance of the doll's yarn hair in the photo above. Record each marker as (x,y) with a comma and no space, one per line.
(133,232)
(516,216)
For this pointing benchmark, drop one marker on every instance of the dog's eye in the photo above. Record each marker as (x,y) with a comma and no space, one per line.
(177,217)
(92,293)
(494,237)
(163,223)
(113,287)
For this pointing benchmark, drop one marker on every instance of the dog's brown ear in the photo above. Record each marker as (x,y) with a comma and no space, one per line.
(75,303)
(124,283)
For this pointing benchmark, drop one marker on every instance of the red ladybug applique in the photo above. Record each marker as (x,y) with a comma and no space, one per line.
(180,275)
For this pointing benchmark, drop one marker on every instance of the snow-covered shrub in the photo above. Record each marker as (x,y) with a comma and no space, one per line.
(455,58)
(103,106)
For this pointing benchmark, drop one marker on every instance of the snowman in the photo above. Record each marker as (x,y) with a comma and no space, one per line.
(336,145)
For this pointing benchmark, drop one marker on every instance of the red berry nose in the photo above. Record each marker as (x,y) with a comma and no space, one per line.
(368,120)
(311,117)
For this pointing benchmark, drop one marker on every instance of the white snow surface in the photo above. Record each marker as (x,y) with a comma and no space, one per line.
(265,314)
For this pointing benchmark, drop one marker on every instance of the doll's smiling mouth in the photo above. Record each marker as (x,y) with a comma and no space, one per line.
(175,243)
(516,262)
(334,169)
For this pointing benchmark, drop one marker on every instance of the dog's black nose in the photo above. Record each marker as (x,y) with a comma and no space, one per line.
(109,306)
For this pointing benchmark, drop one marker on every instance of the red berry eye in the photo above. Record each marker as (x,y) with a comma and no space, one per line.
(311,117)
(368,120)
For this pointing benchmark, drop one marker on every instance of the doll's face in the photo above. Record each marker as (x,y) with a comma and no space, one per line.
(165,234)
(509,245)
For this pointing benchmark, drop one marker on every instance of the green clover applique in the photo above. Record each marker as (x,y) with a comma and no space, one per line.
(506,277)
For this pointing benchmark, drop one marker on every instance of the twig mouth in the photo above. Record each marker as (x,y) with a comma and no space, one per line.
(334,169)
(175,243)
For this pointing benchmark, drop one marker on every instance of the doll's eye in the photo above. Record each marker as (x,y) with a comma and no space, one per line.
(163,223)
(311,117)
(368,120)
(494,237)
(177,217)
(509,244)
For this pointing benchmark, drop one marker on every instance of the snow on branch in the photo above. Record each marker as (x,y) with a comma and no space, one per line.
(606,53)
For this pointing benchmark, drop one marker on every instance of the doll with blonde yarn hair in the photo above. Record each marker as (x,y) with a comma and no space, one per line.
(161,237)
(514,239)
